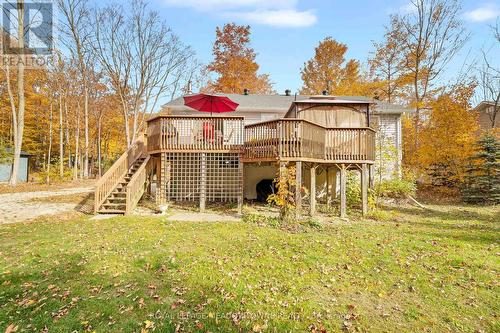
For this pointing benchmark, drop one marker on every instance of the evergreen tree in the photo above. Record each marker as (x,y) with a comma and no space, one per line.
(482,183)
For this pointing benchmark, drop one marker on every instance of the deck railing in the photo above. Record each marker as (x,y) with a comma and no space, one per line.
(136,186)
(193,133)
(108,182)
(297,138)
(350,144)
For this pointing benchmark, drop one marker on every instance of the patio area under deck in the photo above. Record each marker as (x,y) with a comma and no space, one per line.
(201,158)
(304,143)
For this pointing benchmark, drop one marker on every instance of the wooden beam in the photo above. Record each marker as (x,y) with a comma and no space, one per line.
(343,186)
(298,188)
(203,182)
(161,179)
(312,207)
(240,181)
(364,188)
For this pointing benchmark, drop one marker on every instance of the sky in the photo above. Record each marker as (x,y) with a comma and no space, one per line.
(285,32)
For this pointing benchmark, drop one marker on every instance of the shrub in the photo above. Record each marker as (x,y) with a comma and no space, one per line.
(379,215)
(395,188)
(353,189)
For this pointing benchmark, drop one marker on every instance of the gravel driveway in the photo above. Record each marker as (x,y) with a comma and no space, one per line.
(16,207)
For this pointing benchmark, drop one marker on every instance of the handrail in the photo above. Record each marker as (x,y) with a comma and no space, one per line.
(299,138)
(108,182)
(135,187)
(192,116)
(174,133)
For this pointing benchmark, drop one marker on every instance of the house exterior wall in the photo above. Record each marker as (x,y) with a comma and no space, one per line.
(388,145)
(253,174)
(484,118)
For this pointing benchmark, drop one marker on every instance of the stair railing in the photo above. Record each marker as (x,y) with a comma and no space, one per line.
(108,182)
(136,187)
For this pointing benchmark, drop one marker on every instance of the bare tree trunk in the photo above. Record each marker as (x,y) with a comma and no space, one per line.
(86,115)
(18,119)
(47,179)
(99,161)
(77,142)
(68,146)
(61,143)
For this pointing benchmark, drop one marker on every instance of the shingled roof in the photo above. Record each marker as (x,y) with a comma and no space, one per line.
(281,103)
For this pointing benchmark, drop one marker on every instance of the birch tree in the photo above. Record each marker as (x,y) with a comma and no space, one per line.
(17,100)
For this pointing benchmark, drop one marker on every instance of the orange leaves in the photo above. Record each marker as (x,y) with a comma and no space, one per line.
(234,63)
(328,70)
(446,136)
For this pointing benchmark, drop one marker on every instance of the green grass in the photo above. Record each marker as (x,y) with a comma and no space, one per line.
(407,271)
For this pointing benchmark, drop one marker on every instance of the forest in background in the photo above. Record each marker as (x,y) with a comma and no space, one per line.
(78,115)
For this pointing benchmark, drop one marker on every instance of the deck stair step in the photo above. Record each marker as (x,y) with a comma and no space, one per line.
(115,203)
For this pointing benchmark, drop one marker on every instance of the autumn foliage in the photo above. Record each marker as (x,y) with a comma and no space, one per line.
(446,139)
(234,63)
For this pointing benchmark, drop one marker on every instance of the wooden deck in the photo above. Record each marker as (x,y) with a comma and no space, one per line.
(195,134)
(284,139)
(297,139)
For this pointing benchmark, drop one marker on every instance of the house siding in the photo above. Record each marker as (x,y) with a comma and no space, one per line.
(388,146)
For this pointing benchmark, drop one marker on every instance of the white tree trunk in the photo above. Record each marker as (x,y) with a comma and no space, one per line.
(86,156)
(61,142)
(18,120)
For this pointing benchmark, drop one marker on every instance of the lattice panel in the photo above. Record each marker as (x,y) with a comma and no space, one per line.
(187,173)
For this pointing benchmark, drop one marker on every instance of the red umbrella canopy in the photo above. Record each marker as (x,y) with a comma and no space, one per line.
(210,103)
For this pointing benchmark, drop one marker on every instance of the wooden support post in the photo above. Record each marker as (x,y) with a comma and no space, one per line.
(364,188)
(328,187)
(203,182)
(161,178)
(168,180)
(343,185)
(371,176)
(298,189)
(240,181)
(312,207)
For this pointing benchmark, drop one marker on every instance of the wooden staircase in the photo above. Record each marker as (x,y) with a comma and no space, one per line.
(119,190)
(116,202)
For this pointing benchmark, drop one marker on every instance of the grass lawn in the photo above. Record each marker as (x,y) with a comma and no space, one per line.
(411,271)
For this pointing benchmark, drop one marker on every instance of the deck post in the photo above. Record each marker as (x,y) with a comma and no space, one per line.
(312,207)
(371,176)
(298,189)
(343,185)
(168,180)
(203,182)
(161,176)
(364,188)
(240,194)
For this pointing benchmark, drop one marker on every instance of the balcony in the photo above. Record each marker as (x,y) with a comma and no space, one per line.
(297,139)
(195,134)
(281,139)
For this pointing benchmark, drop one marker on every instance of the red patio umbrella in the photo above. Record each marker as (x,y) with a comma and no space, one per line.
(210,103)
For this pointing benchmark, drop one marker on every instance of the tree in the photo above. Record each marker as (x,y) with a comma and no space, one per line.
(489,80)
(431,35)
(448,136)
(17,101)
(76,29)
(386,63)
(482,183)
(328,70)
(141,58)
(234,63)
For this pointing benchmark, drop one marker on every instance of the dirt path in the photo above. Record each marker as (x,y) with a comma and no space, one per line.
(22,206)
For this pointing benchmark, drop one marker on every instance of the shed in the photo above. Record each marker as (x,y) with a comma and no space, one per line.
(6,168)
